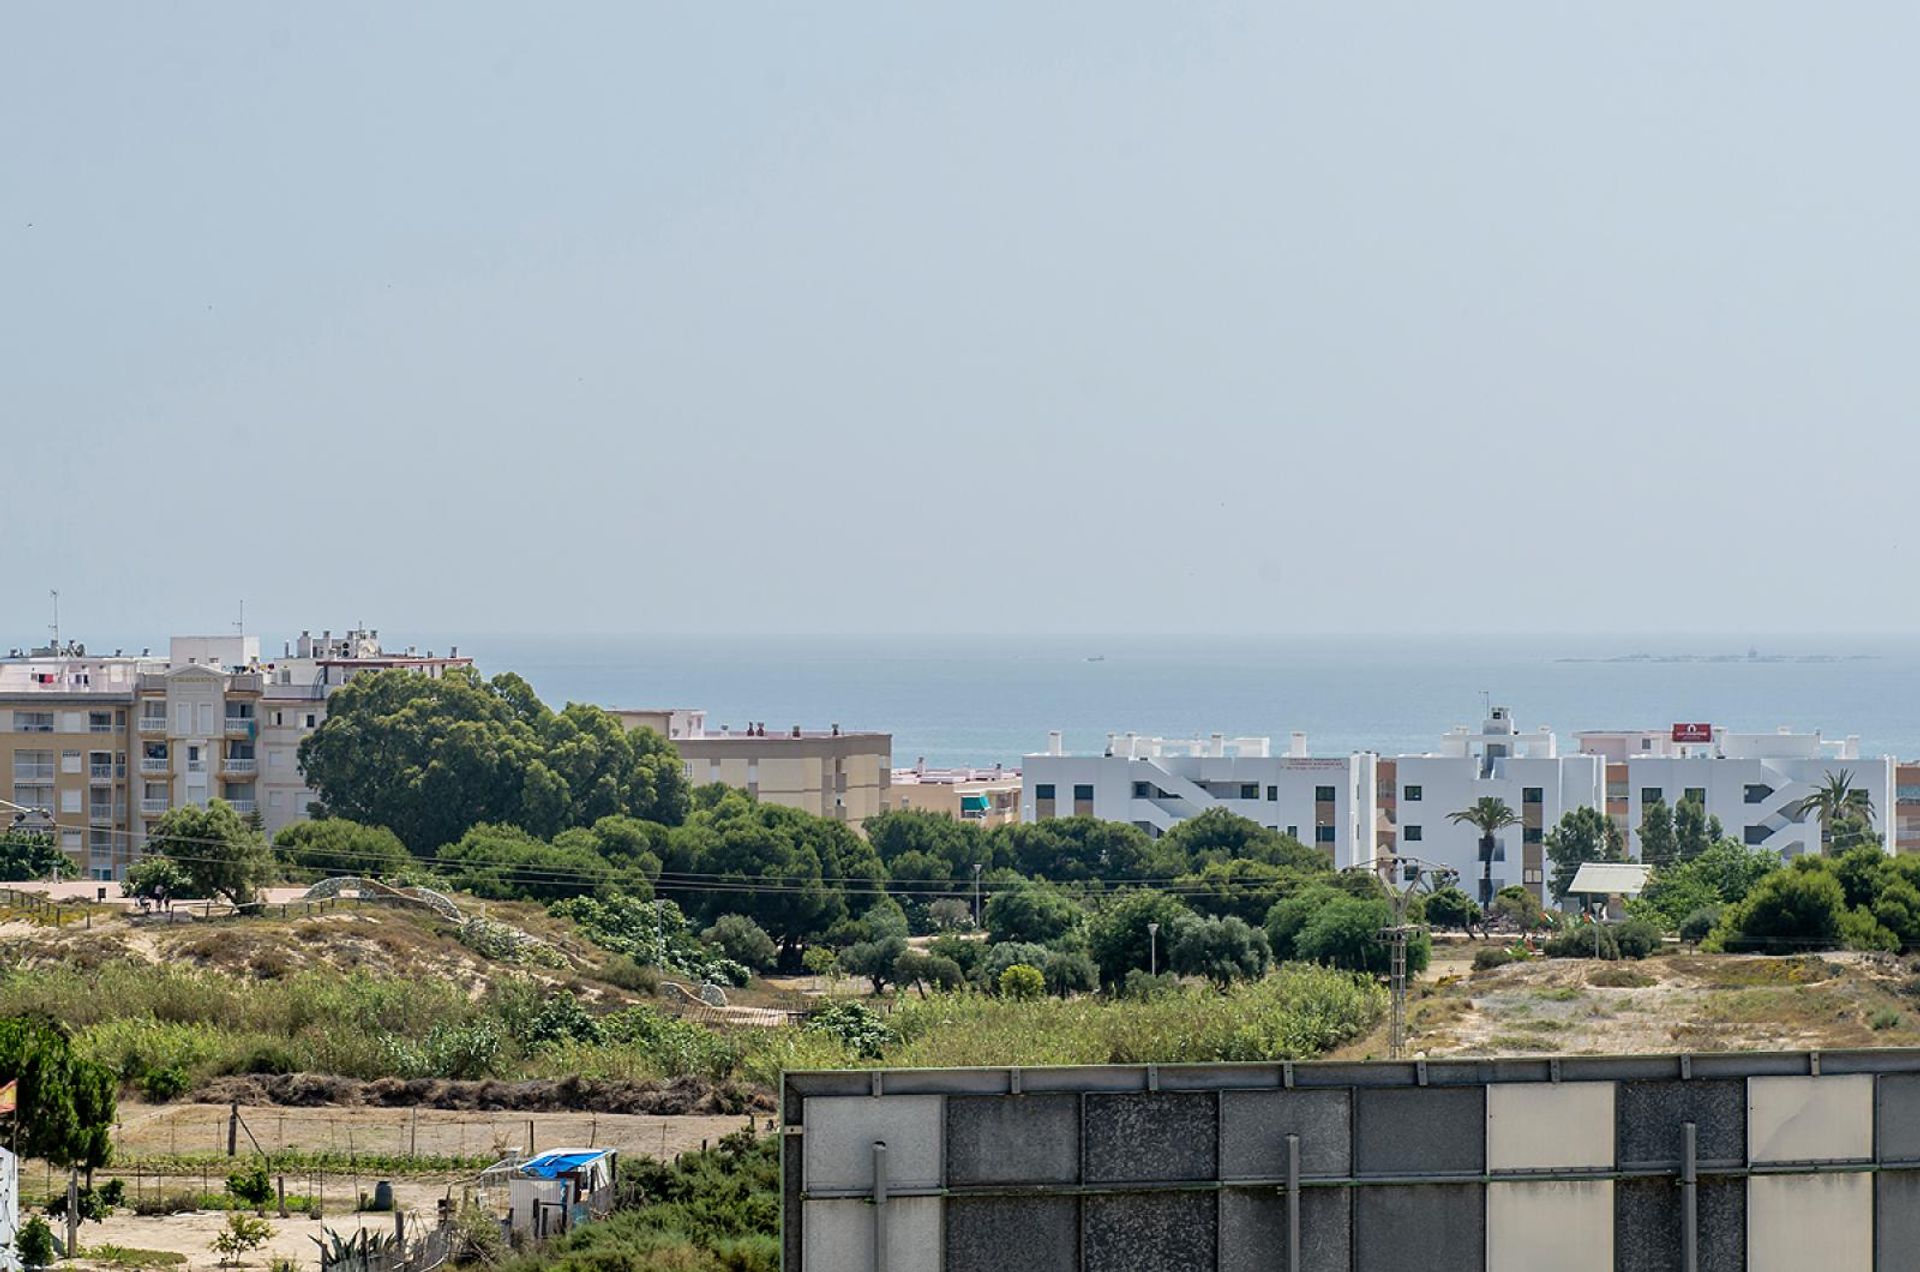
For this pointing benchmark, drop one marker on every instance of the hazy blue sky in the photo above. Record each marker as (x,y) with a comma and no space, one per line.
(634,317)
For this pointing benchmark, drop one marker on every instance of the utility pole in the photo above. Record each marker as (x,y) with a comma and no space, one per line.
(976,893)
(1403,877)
(1153,949)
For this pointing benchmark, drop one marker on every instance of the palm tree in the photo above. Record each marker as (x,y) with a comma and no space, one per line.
(1489,815)
(1835,799)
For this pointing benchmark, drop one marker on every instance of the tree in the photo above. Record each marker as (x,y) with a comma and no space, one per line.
(1117,935)
(1520,907)
(1862,872)
(219,853)
(874,960)
(1070,849)
(1692,832)
(336,846)
(918,970)
(242,1234)
(26,855)
(1791,911)
(1583,835)
(66,1106)
(1069,972)
(429,757)
(1218,836)
(1022,983)
(950,914)
(1345,932)
(1246,888)
(1451,908)
(1031,914)
(1836,798)
(1721,876)
(157,879)
(505,863)
(743,941)
(1489,815)
(957,845)
(1221,950)
(34,1243)
(1657,843)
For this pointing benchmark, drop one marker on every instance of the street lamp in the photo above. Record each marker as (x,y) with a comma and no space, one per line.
(976,894)
(1153,949)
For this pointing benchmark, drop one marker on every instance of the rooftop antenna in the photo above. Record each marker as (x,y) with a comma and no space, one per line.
(55,628)
(240,626)
(1486,700)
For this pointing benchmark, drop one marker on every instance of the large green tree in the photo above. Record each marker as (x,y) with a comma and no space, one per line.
(1489,815)
(1118,936)
(221,855)
(429,757)
(1693,829)
(1583,835)
(1076,849)
(1658,846)
(1836,801)
(30,854)
(1221,950)
(66,1106)
(336,846)
(1031,913)
(1220,836)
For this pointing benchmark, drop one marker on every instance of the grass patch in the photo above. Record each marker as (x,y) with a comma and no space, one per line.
(1559,994)
(1520,1042)
(131,1257)
(1619,977)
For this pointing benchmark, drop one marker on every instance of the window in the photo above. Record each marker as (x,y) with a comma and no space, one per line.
(1531,794)
(69,761)
(1143,790)
(1082,792)
(1043,790)
(1293,832)
(1531,875)
(1758,793)
(1413,834)
(1531,835)
(1697,794)
(99,722)
(1651,794)
(33,722)
(32,766)
(1413,794)
(1756,835)
(309,719)
(1249,790)
(1323,834)
(1273,793)
(1323,794)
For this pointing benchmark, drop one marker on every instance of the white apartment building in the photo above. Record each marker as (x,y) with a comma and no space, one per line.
(1753,782)
(1525,770)
(1156,783)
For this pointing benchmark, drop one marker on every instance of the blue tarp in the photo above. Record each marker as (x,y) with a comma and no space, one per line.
(554,1165)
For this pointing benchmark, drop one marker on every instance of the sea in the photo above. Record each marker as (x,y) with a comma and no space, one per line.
(985,700)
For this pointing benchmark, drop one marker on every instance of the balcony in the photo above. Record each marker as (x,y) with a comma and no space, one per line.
(153,724)
(233,764)
(161,766)
(96,726)
(241,726)
(152,807)
(99,773)
(105,814)
(244,807)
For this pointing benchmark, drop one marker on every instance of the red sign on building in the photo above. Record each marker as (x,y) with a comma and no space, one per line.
(1693,733)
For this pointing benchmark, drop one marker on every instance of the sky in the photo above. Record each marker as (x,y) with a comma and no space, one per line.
(996,317)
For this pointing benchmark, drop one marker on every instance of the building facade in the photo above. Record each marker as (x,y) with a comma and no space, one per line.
(1525,770)
(1752,782)
(842,774)
(1155,784)
(986,797)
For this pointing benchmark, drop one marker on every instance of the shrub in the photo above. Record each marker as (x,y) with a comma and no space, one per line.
(165,1083)
(1142,984)
(855,1025)
(1222,950)
(336,846)
(622,972)
(1030,914)
(1589,940)
(1069,972)
(1700,923)
(1790,911)
(919,970)
(821,961)
(743,941)
(1885,1018)
(1496,956)
(1636,938)
(34,1243)
(1022,983)
(250,1185)
(243,1233)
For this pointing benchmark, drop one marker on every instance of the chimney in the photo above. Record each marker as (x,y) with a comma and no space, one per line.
(1217,745)
(1297,744)
(1053,743)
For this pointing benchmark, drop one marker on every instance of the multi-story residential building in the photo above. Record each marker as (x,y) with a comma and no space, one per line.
(1156,783)
(987,797)
(1753,782)
(1906,802)
(1525,770)
(838,773)
(294,704)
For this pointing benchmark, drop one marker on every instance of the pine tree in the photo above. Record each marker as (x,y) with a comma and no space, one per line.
(1657,845)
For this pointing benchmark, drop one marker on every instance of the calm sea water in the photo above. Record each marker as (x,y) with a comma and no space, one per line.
(982,700)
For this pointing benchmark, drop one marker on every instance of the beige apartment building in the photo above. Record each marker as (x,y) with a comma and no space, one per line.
(987,797)
(833,773)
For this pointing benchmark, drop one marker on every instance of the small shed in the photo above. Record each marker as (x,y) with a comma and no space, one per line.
(555,1191)
(1613,882)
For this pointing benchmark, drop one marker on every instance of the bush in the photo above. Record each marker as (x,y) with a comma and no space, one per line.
(1636,938)
(242,1234)
(250,1185)
(820,961)
(743,941)
(1022,983)
(1885,1018)
(1221,950)
(34,1243)
(1790,911)
(857,1026)
(919,970)
(623,973)
(336,846)
(165,1083)
(1586,941)
(1031,914)
(1497,956)
(1142,984)
(1698,925)
(1069,972)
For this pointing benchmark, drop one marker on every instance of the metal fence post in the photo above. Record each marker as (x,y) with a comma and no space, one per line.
(1293,1203)
(1689,1200)
(879,1206)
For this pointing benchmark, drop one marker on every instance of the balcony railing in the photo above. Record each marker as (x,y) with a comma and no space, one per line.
(97,726)
(234,764)
(105,814)
(161,765)
(153,807)
(242,806)
(242,725)
(32,772)
(106,772)
(153,724)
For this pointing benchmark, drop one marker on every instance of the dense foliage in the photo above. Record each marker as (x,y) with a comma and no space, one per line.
(217,852)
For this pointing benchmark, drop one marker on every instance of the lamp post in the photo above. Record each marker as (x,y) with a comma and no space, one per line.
(976,893)
(1153,949)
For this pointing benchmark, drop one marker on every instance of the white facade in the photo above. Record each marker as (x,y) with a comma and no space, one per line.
(1752,782)
(9,1210)
(1155,784)
(1525,770)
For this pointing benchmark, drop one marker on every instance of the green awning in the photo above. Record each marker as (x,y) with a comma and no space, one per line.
(975,803)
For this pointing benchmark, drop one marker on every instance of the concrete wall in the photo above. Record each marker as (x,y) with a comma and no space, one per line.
(1513,1165)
